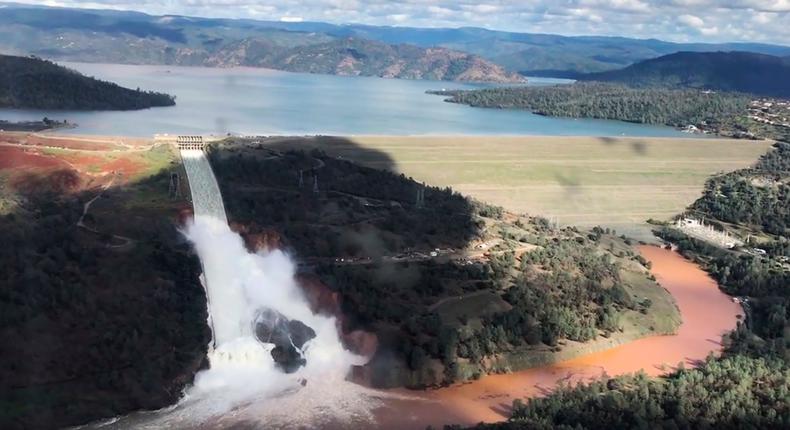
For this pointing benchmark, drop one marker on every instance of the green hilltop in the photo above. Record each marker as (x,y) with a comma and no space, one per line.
(33,83)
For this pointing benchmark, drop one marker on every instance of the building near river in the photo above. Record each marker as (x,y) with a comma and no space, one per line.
(700,230)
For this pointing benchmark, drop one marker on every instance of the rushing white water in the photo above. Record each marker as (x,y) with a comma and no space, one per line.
(242,388)
(206,197)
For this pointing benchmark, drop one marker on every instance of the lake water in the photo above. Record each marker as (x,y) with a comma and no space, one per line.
(266,102)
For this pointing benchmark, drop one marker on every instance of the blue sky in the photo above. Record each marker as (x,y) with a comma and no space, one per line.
(676,20)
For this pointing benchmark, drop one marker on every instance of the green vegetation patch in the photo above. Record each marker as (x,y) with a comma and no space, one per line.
(445,282)
(96,325)
(747,387)
(675,107)
(33,83)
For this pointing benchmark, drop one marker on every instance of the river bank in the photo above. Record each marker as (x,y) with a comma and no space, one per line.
(45,124)
(707,315)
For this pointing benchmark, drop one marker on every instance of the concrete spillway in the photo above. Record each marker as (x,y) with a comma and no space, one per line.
(255,309)
(206,197)
(228,306)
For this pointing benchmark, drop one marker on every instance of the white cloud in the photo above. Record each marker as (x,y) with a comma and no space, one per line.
(691,21)
(291,19)
(686,20)
(399,17)
(483,8)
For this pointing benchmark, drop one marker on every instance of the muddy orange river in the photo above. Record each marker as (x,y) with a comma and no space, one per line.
(707,314)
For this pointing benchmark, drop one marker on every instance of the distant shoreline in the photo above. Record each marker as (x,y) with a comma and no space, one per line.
(44,125)
(407,136)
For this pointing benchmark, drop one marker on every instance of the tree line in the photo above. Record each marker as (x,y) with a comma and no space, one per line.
(757,196)
(91,332)
(747,387)
(568,289)
(33,83)
(677,108)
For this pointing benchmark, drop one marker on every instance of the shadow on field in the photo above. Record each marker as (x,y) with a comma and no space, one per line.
(325,206)
(639,147)
(371,235)
(575,190)
(89,330)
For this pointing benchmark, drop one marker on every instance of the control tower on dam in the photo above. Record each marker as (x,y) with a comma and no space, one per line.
(206,196)
(182,142)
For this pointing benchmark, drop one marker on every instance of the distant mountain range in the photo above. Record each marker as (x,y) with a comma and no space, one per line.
(131,37)
(745,72)
(128,37)
(546,54)
(360,57)
(32,83)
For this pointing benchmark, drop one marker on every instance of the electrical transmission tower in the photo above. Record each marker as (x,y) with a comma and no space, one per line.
(420,201)
(175,186)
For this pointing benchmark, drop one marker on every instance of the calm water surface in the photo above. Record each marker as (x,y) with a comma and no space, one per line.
(259,101)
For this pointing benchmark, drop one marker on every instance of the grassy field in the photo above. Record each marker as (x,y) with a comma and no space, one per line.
(615,182)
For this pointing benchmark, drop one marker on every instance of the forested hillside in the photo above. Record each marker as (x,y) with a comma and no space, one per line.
(758,197)
(353,56)
(609,101)
(748,387)
(735,392)
(33,83)
(92,325)
(452,288)
(744,72)
(131,37)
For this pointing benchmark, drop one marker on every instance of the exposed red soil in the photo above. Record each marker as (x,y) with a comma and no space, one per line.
(258,239)
(319,296)
(323,300)
(29,168)
(124,166)
(185,214)
(15,157)
(84,143)
(58,181)
(15,138)
(69,143)
(83,161)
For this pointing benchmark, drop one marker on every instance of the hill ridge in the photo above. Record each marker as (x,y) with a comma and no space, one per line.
(735,71)
(33,83)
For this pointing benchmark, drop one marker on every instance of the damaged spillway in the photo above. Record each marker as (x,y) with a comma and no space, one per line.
(244,324)
(272,361)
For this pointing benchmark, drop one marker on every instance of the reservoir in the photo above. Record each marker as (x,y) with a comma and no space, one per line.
(267,102)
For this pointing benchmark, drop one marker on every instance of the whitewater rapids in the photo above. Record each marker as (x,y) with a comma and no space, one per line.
(242,385)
